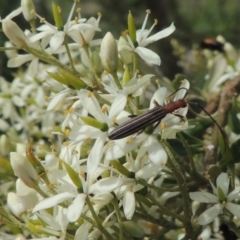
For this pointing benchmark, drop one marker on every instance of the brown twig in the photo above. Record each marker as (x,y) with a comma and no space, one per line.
(230,89)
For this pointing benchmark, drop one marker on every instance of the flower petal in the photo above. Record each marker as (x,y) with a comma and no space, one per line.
(75,209)
(96,154)
(159,35)
(148,171)
(156,152)
(129,204)
(223,182)
(108,184)
(235,194)
(19,60)
(52,201)
(204,197)
(82,232)
(233,208)
(117,106)
(57,40)
(148,55)
(208,216)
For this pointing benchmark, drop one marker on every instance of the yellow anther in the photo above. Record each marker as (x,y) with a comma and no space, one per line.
(114,119)
(148,11)
(104,109)
(52,185)
(42,20)
(70,110)
(207,176)
(163,125)
(67,132)
(53,147)
(89,94)
(65,144)
(88,139)
(125,33)
(74,152)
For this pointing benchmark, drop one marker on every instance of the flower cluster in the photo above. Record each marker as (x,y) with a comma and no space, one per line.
(73,182)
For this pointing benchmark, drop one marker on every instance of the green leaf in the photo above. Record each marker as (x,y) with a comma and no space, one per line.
(233,121)
(235,149)
(177,146)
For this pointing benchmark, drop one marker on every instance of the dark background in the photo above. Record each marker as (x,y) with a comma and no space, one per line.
(194,20)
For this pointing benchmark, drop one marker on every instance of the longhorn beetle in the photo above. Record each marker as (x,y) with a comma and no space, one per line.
(155,115)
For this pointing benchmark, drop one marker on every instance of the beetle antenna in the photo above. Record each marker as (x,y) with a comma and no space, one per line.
(177,91)
(220,129)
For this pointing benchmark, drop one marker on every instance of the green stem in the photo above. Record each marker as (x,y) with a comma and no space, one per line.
(176,169)
(69,54)
(86,49)
(118,213)
(164,210)
(116,80)
(44,56)
(40,191)
(194,173)
(10,220)
(98,222)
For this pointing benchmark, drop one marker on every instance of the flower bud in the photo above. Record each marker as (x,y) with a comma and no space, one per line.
(95,123)
(23,169)
(57,16)
(33,159)
(74,176)
(131,28)
(96,61)
(27,8)
(117,165)
(74,81)
(4,145)
(14,33)
(109,53)
(126,76)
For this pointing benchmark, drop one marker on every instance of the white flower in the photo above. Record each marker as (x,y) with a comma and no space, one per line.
(143,40)
(82,132)
(71,28)
(134,87)
(220,198)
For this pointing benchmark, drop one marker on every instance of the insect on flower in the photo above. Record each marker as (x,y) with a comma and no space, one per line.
(139,123)
(212,44)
